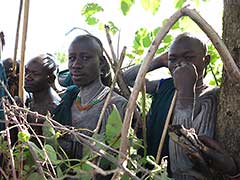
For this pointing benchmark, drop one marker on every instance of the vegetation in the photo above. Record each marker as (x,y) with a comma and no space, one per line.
(40,157)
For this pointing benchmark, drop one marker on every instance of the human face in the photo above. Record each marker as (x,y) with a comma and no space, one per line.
(36,76)
(186,51)
(84,62)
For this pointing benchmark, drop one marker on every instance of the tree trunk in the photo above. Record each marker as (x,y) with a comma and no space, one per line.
(228,121)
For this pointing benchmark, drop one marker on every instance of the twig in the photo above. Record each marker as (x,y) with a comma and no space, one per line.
(138,83)
(121,83)
(229,64)
(24,37)
(110,92)
(144,118)
(9,141)
(3,173)
(16,38)
(166,127)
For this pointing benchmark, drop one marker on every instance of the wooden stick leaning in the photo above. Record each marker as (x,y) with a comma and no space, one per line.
(24,37)
(121,83)
(108,98)
(17,38)
(229,64)
(165,128)
(226,56)
(138,83)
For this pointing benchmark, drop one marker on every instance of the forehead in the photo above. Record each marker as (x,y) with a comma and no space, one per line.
(35,64)
(85,45)
(185,46)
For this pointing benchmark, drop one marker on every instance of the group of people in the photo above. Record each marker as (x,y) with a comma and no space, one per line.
(88,85)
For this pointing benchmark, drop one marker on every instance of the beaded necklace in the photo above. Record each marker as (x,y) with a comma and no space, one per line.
(88,106)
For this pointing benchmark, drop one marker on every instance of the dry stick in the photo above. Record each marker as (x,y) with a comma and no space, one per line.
(16,38)
(3,173)
(121,83)
(166,127)
(96,130)
(9,141)
(62,127)
(39,141)
(138,84)
(40,170)
(144,130)
(229,64)
(24,37)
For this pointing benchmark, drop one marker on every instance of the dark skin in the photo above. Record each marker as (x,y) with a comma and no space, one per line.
(186,64)
(84,62)
(38,82)
(217,158)
(11,76)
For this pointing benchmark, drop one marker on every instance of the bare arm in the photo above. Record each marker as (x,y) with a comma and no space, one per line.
(131,74)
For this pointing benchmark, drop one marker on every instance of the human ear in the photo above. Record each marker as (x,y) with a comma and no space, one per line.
(51,78)
(207,60)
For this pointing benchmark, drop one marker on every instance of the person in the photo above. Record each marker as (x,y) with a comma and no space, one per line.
(82,103)
(218,159)
(195,105)
(39,77)
(3,80)
(12,78)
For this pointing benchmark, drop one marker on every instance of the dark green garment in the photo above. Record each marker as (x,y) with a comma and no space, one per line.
(156,118)
(65,74)
(62,113)
(2,93)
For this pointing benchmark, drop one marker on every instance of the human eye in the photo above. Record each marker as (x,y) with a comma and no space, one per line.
(172,58)
(85,57)
(71,58)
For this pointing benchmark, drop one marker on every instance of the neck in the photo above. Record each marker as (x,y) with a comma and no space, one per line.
(200,86)
(42,96)
(90,91)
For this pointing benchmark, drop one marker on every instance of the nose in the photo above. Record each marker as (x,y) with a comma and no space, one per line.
(77,63)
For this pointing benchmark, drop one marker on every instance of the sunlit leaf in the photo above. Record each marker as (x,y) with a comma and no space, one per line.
(89,10)
(151,5)
(146,41)
(179,3)
(126,5)
(91,20)
(23,136)
(113,127)
(113,28)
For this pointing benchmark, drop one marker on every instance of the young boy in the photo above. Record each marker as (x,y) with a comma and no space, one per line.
(82,103)
(195,106)
(39,77)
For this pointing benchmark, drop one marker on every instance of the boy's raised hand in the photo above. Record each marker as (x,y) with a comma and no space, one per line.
(185,77)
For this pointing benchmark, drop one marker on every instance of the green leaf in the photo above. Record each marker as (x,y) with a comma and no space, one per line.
(51,153)
(89,10)
(179,3)
(113,127)
(151,5)
(35,175)
(146,41)
(113,28)
(59,172)
(126,5)
(48,130)
(91,20)
(23,136)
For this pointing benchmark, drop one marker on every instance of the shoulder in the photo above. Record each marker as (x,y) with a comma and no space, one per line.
(116,98)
